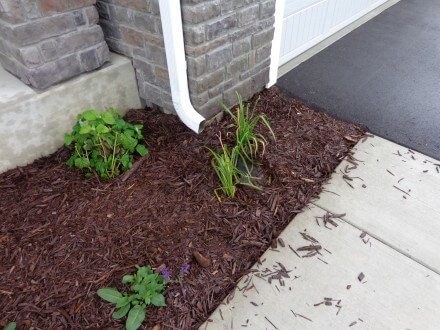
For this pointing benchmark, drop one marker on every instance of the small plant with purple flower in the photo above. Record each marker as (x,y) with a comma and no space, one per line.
(147,288)
(165,272)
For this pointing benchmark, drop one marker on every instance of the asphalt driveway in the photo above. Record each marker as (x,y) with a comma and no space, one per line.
(384,75)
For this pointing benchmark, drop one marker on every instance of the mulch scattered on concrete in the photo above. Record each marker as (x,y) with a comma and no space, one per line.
(62,237)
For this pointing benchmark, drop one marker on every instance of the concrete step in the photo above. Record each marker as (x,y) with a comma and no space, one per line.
(33,123)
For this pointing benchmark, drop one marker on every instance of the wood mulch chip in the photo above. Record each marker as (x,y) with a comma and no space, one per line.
(62,237)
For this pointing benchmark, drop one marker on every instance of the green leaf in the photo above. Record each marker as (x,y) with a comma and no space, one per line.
(102,129)
(82,163)
(71,161)
(10,326)
(85,129)
(108,118)
(122,302)
(110,295)
(68,139)
(127,279)
(128,142)
(121,312)
(120,124)
(142,150)
(135,317)
(158,300)
(90,115)
(125,161)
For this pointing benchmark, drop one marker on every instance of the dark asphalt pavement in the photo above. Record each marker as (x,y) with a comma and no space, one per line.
(384,75)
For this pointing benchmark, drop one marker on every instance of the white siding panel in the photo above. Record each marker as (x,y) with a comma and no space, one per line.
(308,22)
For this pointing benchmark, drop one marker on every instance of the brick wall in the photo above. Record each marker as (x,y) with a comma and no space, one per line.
(44,42)
(227,44)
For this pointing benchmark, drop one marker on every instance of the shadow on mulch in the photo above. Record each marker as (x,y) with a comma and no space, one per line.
(63,237)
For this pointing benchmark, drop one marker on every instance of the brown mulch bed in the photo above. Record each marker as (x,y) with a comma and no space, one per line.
(62,237)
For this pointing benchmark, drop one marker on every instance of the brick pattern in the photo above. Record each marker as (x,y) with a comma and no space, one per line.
(133,28)
(44,42)
(227,44)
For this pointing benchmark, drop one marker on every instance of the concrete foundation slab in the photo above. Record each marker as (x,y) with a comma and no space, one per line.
(33,123)
(353,281)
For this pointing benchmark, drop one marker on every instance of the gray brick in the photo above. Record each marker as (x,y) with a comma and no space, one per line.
(89,59)
(220,88)
(227,45)
(144,67)
(202,84)
(145,22)
(54,72)
(263,53)
(110,29)
(71,42)
(248,15)
(238,65)
(103,9)
(242,46)
(218,57)
(201,12)
(267,8)
(92,15)
(194,34)
(257,68)
(252,29)
(244,89)
(161,78)
(44,28)
(119,14)
(156,55)
(30,56)
(206,47)
(151,93)
(261,38)
(221,26)
(199,99)
(233,5)
(211,108)
(196,66)
(79,17)
(260,79)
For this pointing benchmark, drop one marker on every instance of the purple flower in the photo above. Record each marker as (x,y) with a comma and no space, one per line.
(185,269)
(165,272)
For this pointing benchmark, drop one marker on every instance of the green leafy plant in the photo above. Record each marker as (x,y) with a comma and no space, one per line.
(104,142)
(225,163)
(245,120)
(146,289)
(10,326)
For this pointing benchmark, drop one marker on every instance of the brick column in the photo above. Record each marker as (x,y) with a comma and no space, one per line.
(227,44)
(44,42)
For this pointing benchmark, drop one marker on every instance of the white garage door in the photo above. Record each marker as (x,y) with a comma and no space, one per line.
(308,22)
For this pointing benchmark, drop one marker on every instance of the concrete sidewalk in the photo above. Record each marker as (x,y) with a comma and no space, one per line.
(364,255)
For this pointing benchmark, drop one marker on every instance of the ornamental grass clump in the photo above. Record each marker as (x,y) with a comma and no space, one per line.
(234,165)
(105,143)
(225,166)
(249,142)
(146,288)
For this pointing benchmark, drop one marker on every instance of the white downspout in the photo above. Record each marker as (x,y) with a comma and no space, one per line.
(276,43)
(171,17)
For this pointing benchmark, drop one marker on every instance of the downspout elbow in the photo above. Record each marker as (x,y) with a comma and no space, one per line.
(171,18)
